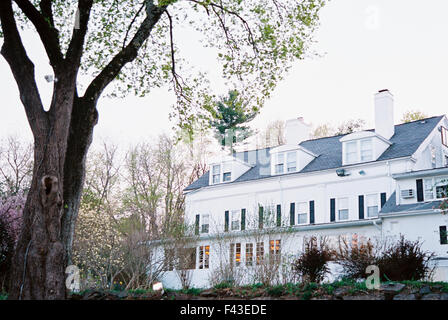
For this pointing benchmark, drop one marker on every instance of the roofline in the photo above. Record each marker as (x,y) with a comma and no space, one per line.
(344,134)
(420,173)
(299,173)
(410,213)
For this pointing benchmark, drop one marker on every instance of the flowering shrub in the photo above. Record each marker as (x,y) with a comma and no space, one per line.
(10,222)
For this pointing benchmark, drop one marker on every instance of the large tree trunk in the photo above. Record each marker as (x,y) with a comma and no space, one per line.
(39,259)
(84,118)
(44,247)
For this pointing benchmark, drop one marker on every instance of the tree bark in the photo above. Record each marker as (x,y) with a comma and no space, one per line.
(62,136)
(84,118)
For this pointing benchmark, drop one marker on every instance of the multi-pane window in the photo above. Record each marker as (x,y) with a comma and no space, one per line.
(444,132)
(274,249)
(372,205)
(428,189)
(226,172)
(237,254)
(205,223)
(366,150)
(260,252)
(436,188)
(280,164)
(291,161)
(235,222)
(442,188)
(249,253)
(204,257)
(351,151)
(343,208)
(216,173)
(302,215)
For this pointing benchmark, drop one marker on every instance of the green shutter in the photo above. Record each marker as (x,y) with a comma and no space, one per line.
(260,217)
(226,221)
(292,213)
(332,210)
(279,215)
(243,219)
(312,211)
(196,226)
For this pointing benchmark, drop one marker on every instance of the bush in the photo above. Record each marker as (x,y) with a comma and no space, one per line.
(355,258)
(404,260)
(224,285)
(6,252)
(397,261)
(275,291)
(311,266)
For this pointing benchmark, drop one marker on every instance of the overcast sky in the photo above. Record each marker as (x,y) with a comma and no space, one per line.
(365,46)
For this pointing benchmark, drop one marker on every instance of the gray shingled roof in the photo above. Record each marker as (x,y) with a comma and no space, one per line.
(391,206)
(405,141)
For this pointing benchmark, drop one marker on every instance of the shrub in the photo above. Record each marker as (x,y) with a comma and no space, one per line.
(405,260)
(275,291)
(224,285)
(355,258)
(311,265)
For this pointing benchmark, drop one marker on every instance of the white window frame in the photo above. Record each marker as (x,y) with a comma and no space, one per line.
(435,182)
(302,212)
(444,134)
(226,168)
(279,162)
(216,173)
(355,153)
(289,162)
(249,254)
(235,216)
(205,218)
(358,155)
(375,198)
(204,257)
(369,150)
(341,207)
(233,254)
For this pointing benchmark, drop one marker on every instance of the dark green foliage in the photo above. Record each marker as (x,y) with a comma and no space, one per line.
(275,291)
(224,285)
(311,265)
(229,117)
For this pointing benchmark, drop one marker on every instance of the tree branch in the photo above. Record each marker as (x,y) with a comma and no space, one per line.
(127,54)
(22,68)
(47,33)
(47,11)
(75,48)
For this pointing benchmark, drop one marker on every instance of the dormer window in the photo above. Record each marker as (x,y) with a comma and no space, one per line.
(444,132)
(216,173)
(358,151)
(291,162)
(226,172)
(351,151)
(280,164)
(366,150)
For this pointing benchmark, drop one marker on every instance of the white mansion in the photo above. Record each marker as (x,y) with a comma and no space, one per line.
(369,184)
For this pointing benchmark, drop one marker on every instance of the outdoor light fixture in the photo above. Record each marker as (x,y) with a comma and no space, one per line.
(342,173)
(50,78)
(362,172)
